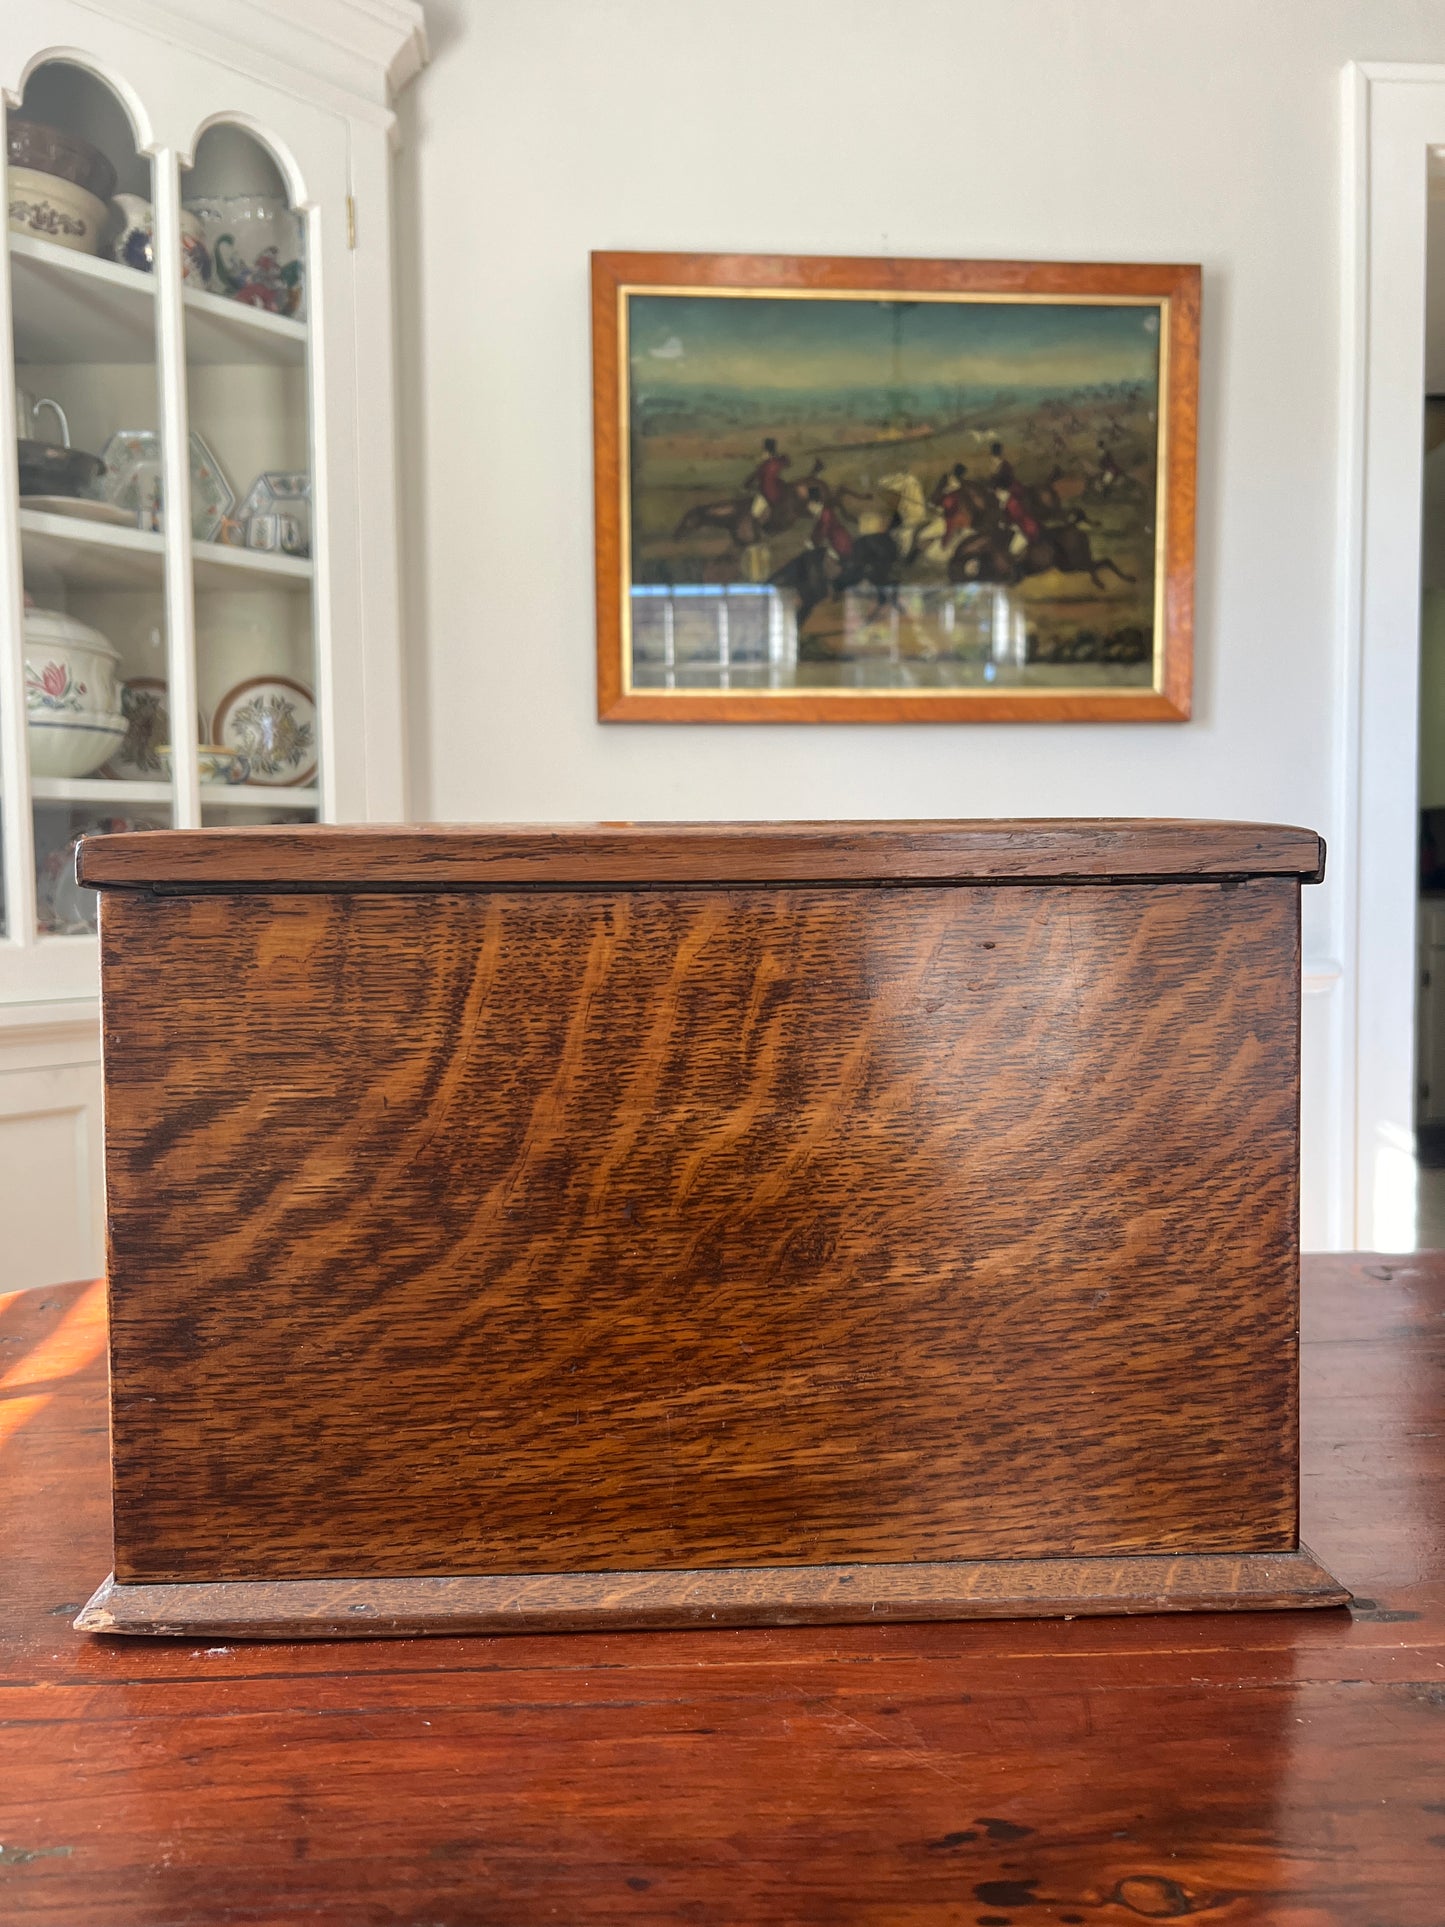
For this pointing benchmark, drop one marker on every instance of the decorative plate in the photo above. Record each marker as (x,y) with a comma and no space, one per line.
(272,721)
(276,513)
(132,480)
(82,507)
(145,704)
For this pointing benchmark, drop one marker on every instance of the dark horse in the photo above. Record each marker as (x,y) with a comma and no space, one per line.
(736,518)
(874,560)
(1064,546)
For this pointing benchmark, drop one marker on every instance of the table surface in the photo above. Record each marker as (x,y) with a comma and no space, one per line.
(1286,1768)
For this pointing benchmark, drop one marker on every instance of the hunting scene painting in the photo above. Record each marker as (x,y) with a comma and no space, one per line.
(908,495)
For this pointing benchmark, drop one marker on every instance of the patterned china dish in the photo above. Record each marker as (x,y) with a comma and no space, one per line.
(54,210)
(276,513)
(217,764)
(131,474)
(212,497)
(57,185)
(257,247)
(271,720)
(72,711)
(134,243)
(131,478)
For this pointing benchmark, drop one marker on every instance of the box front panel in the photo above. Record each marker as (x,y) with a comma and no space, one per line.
(559,1231)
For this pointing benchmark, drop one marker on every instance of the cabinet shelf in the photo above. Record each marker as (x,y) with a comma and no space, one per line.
(221,332)
(96,789)
(102,789)
(216,566)
(72,307)
(97,555)
(258,796)
(92,555)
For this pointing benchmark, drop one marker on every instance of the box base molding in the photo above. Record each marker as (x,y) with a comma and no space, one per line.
(371,1608)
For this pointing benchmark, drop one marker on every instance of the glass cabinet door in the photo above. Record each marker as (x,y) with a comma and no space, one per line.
(87,417)
(247,382)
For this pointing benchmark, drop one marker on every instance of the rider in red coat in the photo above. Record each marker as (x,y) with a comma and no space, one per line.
(766,480)
(829,529)
(1011,495)
(1019,513)
(954,501)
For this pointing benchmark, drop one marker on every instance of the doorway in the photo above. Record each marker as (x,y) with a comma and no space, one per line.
(1395,151)
(1428,1227)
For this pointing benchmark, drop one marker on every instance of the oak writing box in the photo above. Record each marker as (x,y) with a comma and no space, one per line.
(701,1223)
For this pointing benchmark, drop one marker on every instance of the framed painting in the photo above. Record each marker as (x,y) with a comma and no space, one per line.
(833,490)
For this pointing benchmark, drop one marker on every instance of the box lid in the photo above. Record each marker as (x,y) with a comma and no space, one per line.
(505,856)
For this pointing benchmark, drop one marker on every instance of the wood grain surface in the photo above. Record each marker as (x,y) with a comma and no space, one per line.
(745,1596)
(563,1232)
(1178,289)
(1239,1770)
(486,856)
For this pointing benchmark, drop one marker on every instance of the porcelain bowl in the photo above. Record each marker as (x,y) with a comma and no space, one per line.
(72,745)
(217,763)
(52,209)
(72,702)
(257,249)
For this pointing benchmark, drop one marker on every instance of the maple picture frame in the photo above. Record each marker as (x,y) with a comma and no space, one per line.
(834,489)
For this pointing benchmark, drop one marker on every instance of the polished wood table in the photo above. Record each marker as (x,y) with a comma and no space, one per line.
(1283,1768)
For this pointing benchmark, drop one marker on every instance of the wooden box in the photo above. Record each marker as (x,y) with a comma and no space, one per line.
(675,1224)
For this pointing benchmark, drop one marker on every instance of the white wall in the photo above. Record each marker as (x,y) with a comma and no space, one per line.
(1150,130)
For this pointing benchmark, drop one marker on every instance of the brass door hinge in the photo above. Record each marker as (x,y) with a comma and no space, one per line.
(351,220)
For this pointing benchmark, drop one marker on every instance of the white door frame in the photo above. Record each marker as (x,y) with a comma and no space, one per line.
(1394,118)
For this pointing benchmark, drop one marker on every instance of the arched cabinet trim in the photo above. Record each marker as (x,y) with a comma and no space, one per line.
(142,130)
(271,144)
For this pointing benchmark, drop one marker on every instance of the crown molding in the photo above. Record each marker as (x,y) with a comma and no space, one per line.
(388,36)
(357,54)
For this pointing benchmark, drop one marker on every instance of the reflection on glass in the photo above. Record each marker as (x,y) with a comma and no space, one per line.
(706,636)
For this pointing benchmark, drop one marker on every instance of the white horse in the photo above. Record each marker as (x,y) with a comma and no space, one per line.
(921,533)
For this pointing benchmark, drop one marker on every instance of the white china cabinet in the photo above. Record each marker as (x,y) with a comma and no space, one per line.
(198,571)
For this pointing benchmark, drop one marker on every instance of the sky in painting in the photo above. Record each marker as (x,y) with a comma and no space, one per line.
(720,341)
